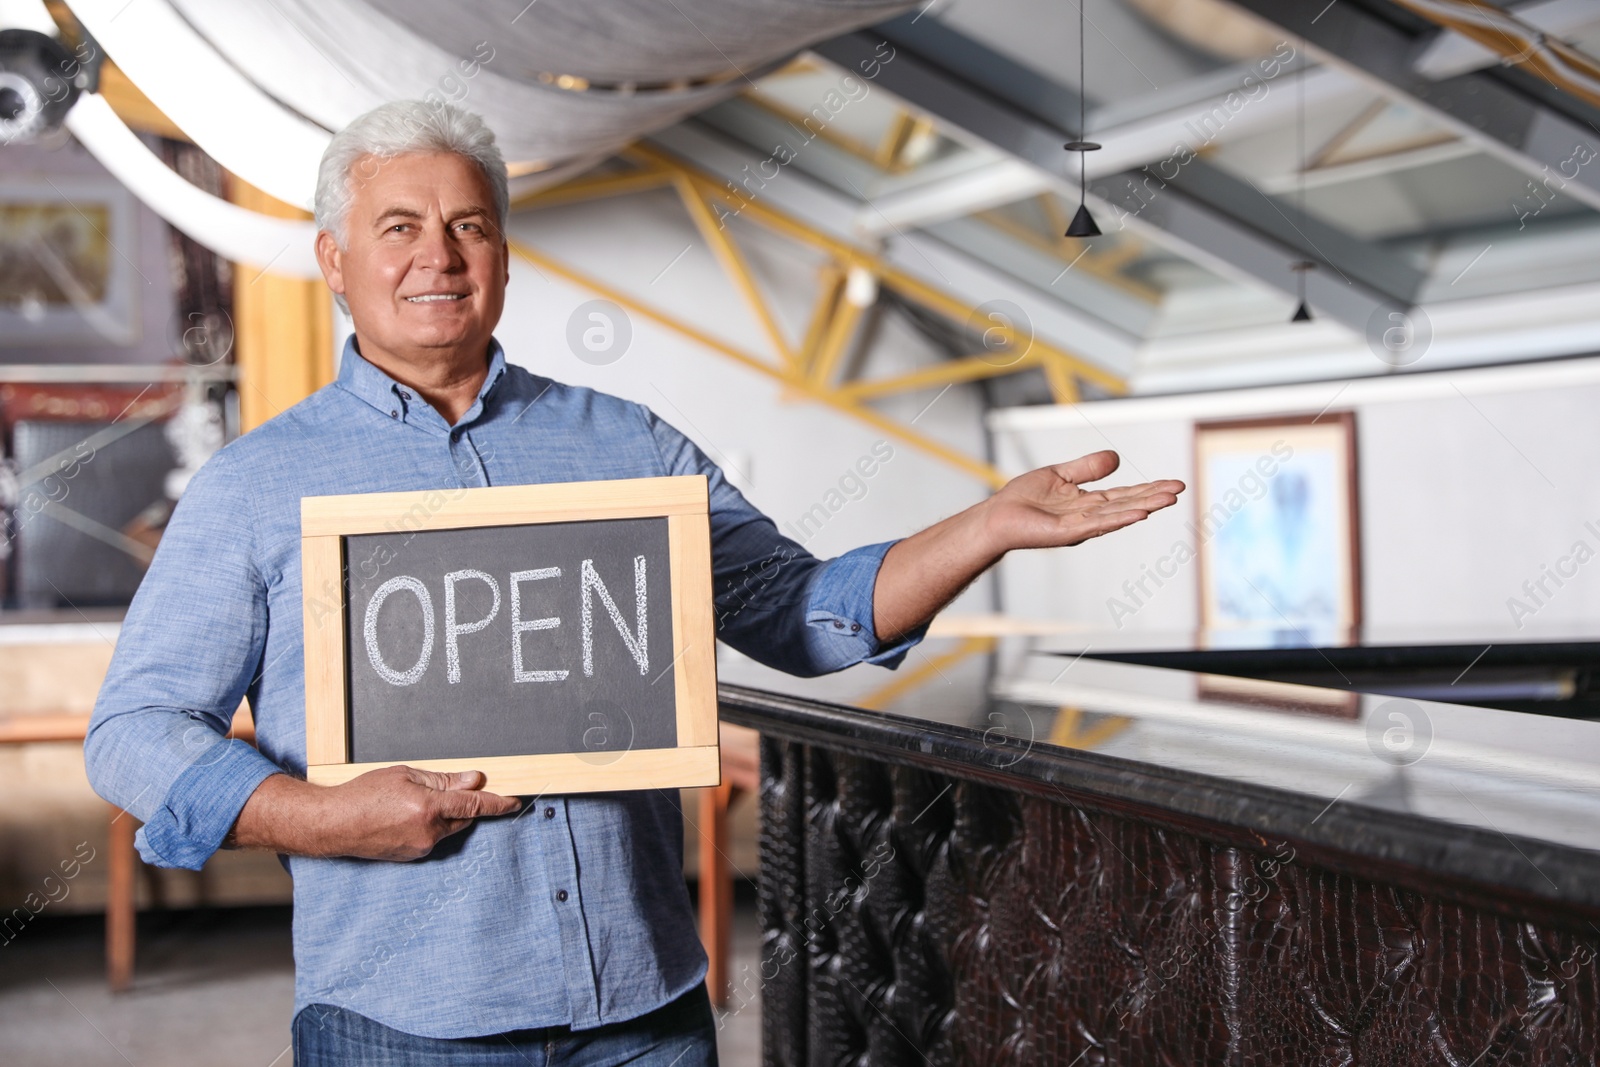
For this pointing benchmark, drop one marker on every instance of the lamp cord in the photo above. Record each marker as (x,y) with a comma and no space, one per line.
(1300,146)
(1083,104)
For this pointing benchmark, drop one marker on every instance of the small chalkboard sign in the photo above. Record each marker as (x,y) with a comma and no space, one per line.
(556,637)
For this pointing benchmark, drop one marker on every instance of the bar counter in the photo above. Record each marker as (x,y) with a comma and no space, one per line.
(1108,863)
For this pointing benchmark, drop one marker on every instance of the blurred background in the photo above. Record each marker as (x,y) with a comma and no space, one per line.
(1334,266)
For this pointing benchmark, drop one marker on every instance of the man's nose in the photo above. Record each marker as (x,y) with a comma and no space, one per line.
(438,251)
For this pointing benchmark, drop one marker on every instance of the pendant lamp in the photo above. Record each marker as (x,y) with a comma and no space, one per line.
(1082,224)
(1302,311)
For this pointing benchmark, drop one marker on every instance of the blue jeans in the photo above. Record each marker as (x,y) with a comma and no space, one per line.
(682,1033)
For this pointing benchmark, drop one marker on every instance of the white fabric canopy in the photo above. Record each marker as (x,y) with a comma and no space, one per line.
(261,84)
(217,66)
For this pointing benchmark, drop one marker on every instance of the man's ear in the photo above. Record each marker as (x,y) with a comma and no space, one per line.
(331,260)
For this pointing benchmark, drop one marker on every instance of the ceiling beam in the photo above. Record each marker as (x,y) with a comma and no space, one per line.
(1522,46)
(987,185)
(1558,149)
(832,215)
(1404,159)
(1201,213)
(858,183)
(1132,144)
(1449,53)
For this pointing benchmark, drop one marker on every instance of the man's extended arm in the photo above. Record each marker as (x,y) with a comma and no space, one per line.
(1044,508)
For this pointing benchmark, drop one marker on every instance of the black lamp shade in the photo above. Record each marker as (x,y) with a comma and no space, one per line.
(1082,224)
(1301,313)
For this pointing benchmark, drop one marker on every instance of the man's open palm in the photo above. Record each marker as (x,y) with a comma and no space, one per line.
(1049,506)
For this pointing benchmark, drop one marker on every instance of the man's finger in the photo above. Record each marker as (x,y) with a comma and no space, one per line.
(1147,497)
(1154,500)
(1107,521)
(446,781)
(472,803)
(430,779)
(1090,468)
(1124,492)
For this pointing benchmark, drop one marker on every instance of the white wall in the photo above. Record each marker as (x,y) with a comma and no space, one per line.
(1471,483)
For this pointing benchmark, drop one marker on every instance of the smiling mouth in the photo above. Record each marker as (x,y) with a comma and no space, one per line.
(435,298)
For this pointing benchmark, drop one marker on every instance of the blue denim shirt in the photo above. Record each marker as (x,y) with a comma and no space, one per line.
(572,912)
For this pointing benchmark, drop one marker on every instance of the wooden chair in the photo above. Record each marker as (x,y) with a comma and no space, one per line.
(122,858)
(741,773)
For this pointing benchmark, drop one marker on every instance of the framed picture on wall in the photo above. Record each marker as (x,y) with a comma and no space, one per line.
(1277,530)
(68,248)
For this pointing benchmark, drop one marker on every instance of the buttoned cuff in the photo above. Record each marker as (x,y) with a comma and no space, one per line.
(840,612)
(202,805)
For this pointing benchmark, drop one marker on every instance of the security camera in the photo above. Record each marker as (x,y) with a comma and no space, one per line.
(40,80)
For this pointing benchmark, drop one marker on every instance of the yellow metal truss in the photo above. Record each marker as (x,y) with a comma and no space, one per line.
(1070,729)
(925,671)
(811,368)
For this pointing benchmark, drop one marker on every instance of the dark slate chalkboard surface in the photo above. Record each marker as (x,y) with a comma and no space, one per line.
(510,640)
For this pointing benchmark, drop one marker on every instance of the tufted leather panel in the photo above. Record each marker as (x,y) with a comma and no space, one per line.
(781,903)
(913,918)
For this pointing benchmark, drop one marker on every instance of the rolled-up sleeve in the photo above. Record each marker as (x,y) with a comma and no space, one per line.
(189,649)
(839,614)
(774,601)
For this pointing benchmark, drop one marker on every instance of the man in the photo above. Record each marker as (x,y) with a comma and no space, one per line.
(435,922)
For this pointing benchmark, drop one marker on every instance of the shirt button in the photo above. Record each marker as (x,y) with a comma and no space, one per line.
(404,395)
(561,895)
(549,813)
(394,414)
(837,625)
(855,627)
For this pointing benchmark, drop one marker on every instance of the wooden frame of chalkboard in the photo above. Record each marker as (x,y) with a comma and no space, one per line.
(330,524)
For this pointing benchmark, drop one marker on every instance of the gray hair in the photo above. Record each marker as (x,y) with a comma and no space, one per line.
(397,128)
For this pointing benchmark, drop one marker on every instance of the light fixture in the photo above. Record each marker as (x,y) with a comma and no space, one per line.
(36,90)
(214,103)
(229,230)
(1302,311)
(1082,224)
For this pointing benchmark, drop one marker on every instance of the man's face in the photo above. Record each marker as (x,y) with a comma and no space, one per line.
(425,266)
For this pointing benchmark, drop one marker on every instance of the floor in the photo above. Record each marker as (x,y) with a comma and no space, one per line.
(214,987)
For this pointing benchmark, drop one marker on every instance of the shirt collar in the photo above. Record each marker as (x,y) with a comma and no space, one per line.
(358,376)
